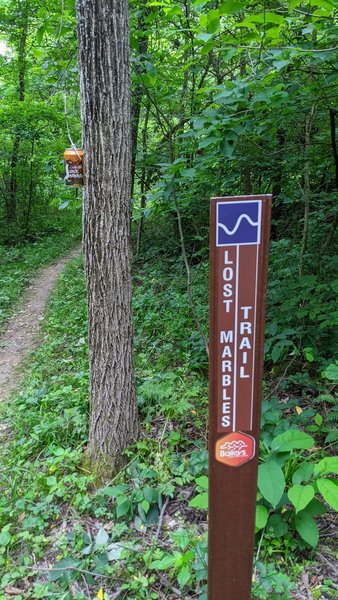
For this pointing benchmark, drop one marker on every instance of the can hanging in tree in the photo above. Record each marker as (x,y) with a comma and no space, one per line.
(74,171)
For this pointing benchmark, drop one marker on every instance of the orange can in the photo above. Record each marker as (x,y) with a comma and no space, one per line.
(74,169)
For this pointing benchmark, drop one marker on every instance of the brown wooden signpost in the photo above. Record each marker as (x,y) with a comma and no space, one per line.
(240,229)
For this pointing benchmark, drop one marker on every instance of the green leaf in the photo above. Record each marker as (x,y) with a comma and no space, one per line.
(331,372)
(206,48)
(150,495)
(175,10)
(231,6)
(122,509)
(325,4)
(139,524)
(187,557)
(181,538)
(277,349)
(307,528)
(114,551)
(5,538)
(321,12)
(300,496)
(203,20)
(200,501)
(308,352)
(227,148)
(90,579)
(262,515)
(280,64)
(267,17)
(213,15)
(165,563)
(327,465)
(329,490)
(120,499)
(101,537)
(304,473)
(145,505)
(207,141)
(202,482)
(226,97)
(271,482)
(316,508)
(152,515)
(183,576)
(291,439)
(40,33)
(64,204)
(277,526)
(190,173)
(62,567)
(318,419)
(114,491)
(101,562)
(204,37)
(213,21)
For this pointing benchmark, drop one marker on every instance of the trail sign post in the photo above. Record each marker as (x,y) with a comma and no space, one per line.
(238,272)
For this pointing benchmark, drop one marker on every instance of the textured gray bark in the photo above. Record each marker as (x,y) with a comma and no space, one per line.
(103,40)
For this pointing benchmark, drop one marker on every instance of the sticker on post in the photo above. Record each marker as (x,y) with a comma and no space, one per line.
(238,223)
(235,449)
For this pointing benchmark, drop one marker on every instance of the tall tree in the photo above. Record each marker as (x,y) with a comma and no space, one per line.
(138,88)
(103,40)
(21,43)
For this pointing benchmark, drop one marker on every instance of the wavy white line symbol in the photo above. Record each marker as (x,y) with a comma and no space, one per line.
(235,445)
(239,221)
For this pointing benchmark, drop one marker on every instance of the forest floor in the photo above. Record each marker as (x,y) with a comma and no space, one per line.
(22,332)
(141,536)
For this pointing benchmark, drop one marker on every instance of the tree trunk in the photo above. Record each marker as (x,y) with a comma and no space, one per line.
(331,233)
(12,182)
(144,179)
(246,179)
(334,142)
(307,189)
(103,40)
(11,195)
(277,208)
(31,188)
(138,93)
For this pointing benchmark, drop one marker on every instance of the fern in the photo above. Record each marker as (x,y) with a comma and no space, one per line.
(326,398)
(332,437)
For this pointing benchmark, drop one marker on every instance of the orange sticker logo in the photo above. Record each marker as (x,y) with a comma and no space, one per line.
(235,449)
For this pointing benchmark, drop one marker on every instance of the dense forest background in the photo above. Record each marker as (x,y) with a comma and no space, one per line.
(228,98)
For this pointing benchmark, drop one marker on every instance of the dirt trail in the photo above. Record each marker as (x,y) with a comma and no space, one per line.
(21,335)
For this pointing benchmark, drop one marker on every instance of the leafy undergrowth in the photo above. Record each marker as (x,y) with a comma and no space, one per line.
(143,535)
(18,265)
